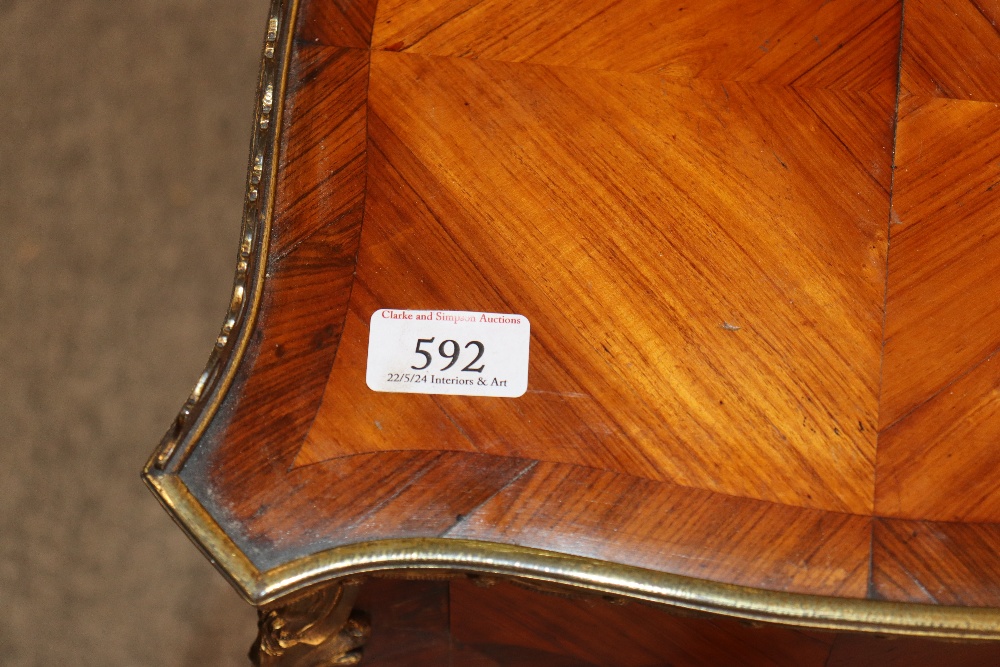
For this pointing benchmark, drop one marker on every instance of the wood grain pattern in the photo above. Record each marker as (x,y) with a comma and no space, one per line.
(337,23)
(952,49)
(861,651)
(436,624)
(938,408)
(505,625)
(936,563)
(299,323)
(396,495)
(935,463)
(691,203)
(836,45)
(938,416)
(685,531)
(942,307)
(314,238)
(793,391)
(410,623)
(322,162)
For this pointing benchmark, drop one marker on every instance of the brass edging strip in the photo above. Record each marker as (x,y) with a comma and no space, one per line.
(159,474)
(447,555)
(574,572)
(600,577)
(248,283)
(207,534)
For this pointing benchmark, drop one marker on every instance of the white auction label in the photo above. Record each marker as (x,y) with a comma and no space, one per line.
(448,352)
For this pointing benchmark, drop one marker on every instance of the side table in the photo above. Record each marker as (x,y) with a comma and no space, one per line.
(611,333)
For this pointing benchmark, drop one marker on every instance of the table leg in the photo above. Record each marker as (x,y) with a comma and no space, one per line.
(315,628)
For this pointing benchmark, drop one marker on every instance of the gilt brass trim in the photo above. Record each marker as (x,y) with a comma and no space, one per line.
(207,534)
(248,284)
(440,555)
(538,567)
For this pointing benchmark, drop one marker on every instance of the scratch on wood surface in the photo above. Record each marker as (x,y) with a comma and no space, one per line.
(564,394)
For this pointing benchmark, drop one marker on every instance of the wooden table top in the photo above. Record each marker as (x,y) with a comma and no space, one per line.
(757,243)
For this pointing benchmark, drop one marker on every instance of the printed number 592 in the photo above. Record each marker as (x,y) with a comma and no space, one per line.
(449,349)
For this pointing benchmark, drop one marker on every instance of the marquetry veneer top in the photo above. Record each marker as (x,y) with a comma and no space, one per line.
(757,243)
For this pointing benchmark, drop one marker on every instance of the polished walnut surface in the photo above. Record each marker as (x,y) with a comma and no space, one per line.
(757,243)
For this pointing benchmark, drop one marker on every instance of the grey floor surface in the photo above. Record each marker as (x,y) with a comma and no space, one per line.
(125,129)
